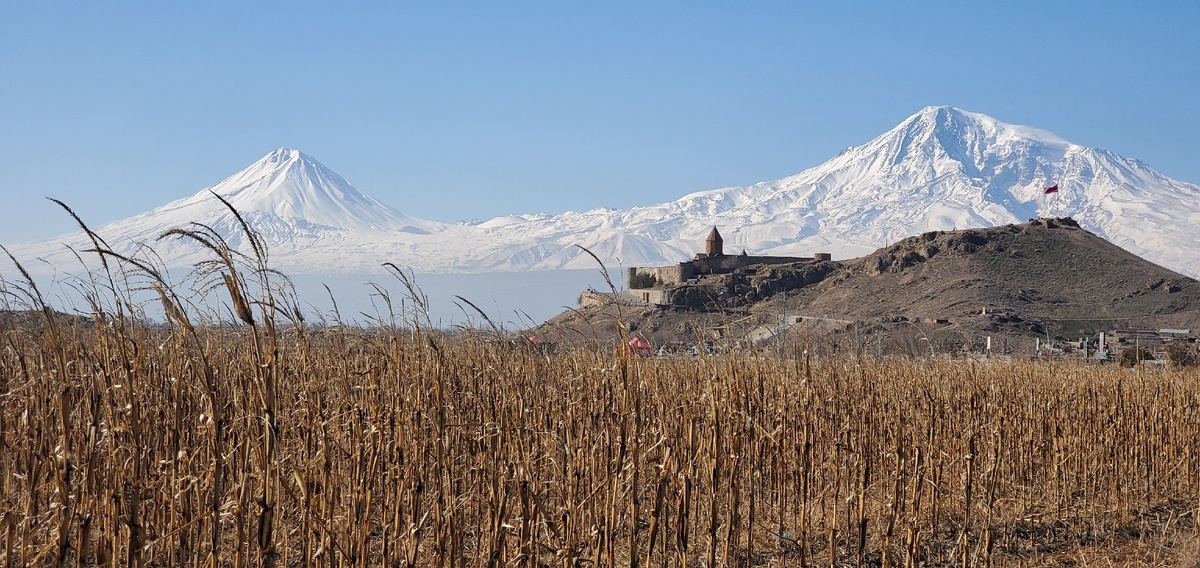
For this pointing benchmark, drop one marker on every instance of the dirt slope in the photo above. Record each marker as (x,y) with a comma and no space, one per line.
(1046,270)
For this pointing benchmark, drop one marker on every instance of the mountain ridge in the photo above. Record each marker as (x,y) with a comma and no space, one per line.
(941,168)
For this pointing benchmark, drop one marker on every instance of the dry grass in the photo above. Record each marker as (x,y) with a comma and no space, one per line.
(143,446)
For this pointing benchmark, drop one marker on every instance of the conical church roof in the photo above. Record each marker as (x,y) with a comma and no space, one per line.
(714,244)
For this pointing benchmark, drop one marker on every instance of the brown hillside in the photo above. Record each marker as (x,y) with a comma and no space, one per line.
(1046,278)
(1046,270)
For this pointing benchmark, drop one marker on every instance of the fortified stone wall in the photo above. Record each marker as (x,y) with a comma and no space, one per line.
(730,263)
(663,275)
(626,298)
(652,296)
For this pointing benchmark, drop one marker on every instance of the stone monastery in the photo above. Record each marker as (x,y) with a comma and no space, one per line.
(659,284)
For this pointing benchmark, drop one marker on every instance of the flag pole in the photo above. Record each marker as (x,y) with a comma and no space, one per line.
(1043,208)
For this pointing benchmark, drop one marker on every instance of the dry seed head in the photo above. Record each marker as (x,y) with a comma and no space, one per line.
(240,305)
(172,311)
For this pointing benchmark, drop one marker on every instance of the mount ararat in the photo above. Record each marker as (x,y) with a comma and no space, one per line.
(940,169)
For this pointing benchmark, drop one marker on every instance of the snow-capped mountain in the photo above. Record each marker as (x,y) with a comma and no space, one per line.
(940,169)
(294,202)
(285,194)
(292,187)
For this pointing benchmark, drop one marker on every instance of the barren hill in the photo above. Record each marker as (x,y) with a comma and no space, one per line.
(1043,270)
(1047,278)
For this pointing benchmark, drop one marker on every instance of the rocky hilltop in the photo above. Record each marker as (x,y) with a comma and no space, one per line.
(1047,278)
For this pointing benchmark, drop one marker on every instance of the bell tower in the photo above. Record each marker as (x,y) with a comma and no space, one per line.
(714,244)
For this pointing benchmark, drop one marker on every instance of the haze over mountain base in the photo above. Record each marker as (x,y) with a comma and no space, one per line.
(511,300)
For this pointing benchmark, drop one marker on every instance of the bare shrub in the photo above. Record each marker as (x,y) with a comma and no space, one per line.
(1182,354)
(1134,355)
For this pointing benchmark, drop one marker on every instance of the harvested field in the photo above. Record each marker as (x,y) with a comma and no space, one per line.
(141,445)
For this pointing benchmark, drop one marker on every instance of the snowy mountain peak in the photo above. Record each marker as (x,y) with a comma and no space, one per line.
(283,155)
(292,186)
(947,151)
(955,122)
(280,160)
(288,175)
(966,137)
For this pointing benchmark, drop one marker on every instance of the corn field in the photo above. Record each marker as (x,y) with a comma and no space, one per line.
(139,446)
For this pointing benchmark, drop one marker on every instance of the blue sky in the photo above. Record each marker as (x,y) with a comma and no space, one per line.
(453,111)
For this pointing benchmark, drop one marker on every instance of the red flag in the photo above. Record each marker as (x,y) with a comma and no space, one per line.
(1051,189)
